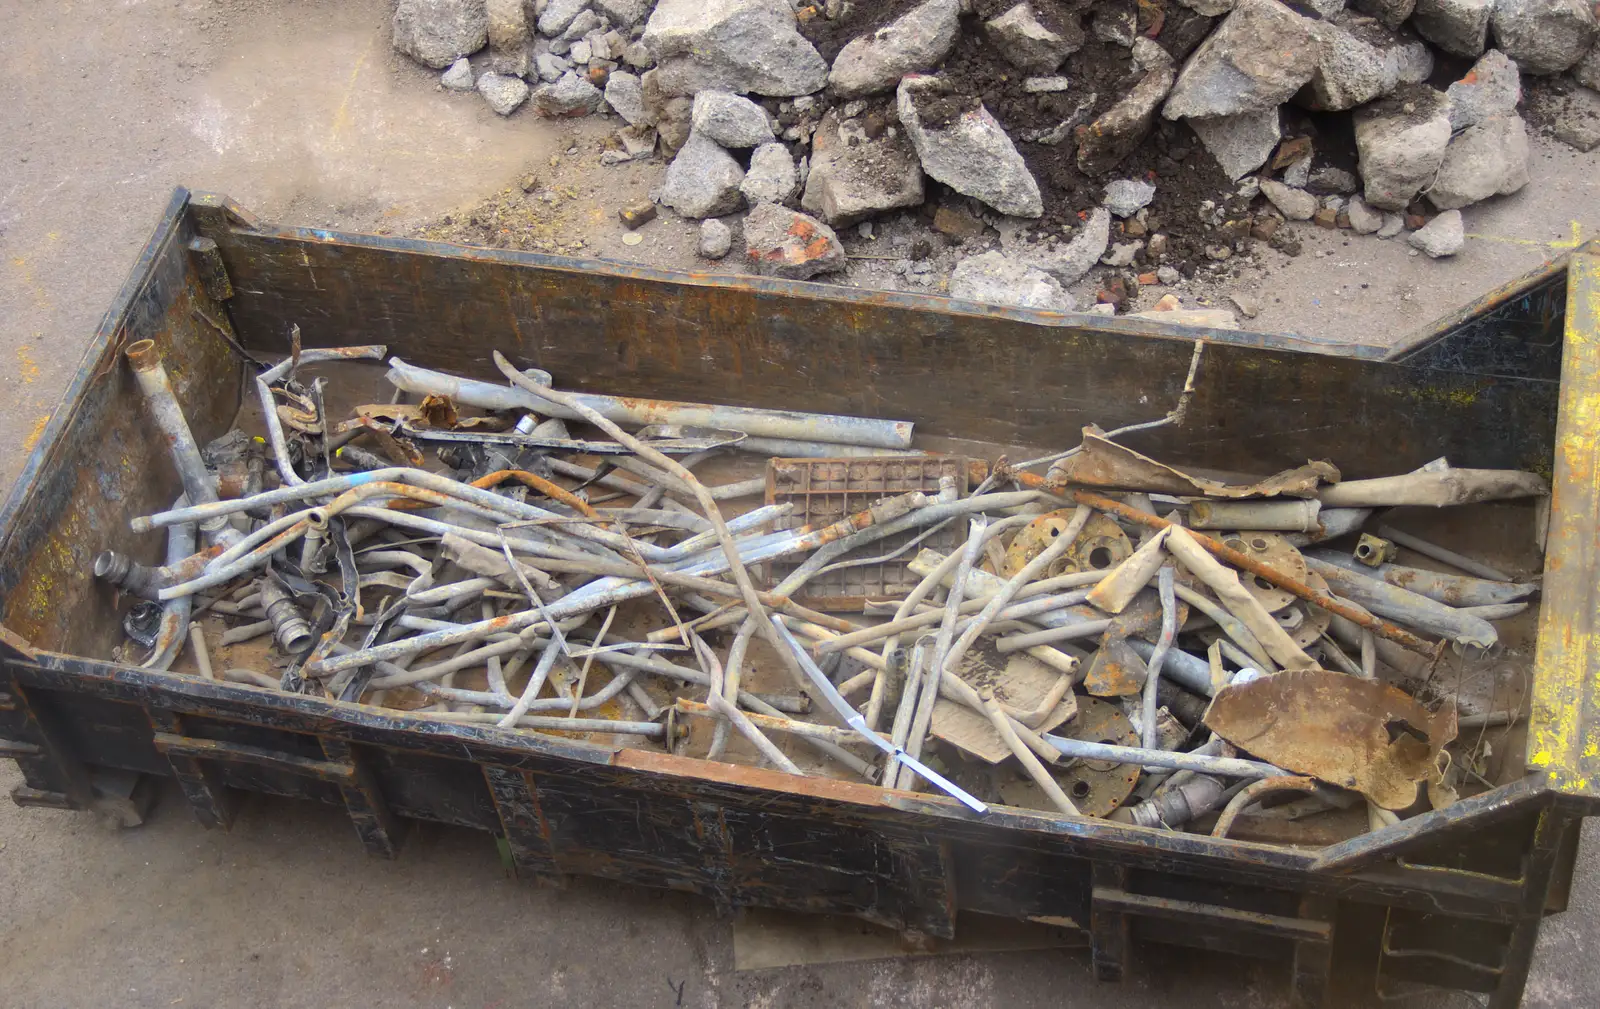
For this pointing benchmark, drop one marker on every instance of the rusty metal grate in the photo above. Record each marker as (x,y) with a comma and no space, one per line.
(823,491)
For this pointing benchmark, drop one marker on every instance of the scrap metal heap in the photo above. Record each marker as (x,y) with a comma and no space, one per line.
(1111,637)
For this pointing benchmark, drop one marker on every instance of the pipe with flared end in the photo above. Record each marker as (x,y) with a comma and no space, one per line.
(198,485)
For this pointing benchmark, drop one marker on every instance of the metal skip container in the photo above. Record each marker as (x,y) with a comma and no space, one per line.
(1452,898)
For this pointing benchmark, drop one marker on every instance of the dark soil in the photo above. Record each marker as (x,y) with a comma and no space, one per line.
(1184,173)
(1546,101)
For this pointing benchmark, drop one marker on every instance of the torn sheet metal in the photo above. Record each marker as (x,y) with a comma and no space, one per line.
(1117,590)
(1020,682)
(1435,489)
(1225,583)
(1354,733)
(1116,670)
(1104,463)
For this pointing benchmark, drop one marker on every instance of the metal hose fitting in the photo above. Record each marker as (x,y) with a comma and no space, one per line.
(288,626)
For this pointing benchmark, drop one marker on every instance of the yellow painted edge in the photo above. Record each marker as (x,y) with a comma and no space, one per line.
(1564,728)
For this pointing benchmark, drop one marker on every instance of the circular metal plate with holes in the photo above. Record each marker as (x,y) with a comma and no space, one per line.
(1096,787)
(1276,552)
(1101,546)
(1304,621)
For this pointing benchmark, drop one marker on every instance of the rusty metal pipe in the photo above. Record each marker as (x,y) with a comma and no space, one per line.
(1443,554)
(893,434)
(1255,791)
(175,613)
(1177,805)
(198,484)
(290,628)
(1452,590)
(1169,631)
(269,405)
(1396,603)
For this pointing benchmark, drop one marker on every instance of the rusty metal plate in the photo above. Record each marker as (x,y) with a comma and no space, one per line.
(1096,787)
(1354,733)
(1100,547)
(1276,552)
(823,491)
(1116,670)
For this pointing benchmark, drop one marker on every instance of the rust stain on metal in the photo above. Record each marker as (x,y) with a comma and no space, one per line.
(1350,732)
(755,777)
(1116,671)
(1104,463)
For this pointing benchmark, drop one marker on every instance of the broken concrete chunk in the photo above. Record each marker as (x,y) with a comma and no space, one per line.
(1209,8)
(638,56)
(1392,13)
(703,180)
(854,176)
(1459,27)
(503,93)
(1112,137)
(1081,254)
(558,15)
(1028,43)
(1493,87)
(1363,219)
(623,14)
(963,146)
(743,46)
(508,24)
(1328,180)
(1401,142)
(1126,197)
(1443,236)
(458,77)
(1259,56)
(716,238)
(771,177)
(586,22)
(625,94)
(436,33)
(730,120)
(570,95)
(1046,85)
(917,40)
(550,67)
(783,243)
(1241,143)
(1587,72)
(1294,204)
(995,279)
(1358,61)
(1545,36)
(1573,117)
(1489,159)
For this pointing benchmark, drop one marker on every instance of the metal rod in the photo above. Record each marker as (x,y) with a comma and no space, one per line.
(639,412)
(1148,757)
(1169,631)
(1443,554)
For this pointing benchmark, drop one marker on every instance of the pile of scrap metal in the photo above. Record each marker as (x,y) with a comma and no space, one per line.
(1113,637)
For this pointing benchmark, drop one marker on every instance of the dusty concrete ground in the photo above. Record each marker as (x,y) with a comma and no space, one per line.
(299,111)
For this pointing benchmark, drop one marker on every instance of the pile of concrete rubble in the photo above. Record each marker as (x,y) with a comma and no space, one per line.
(1058,135)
